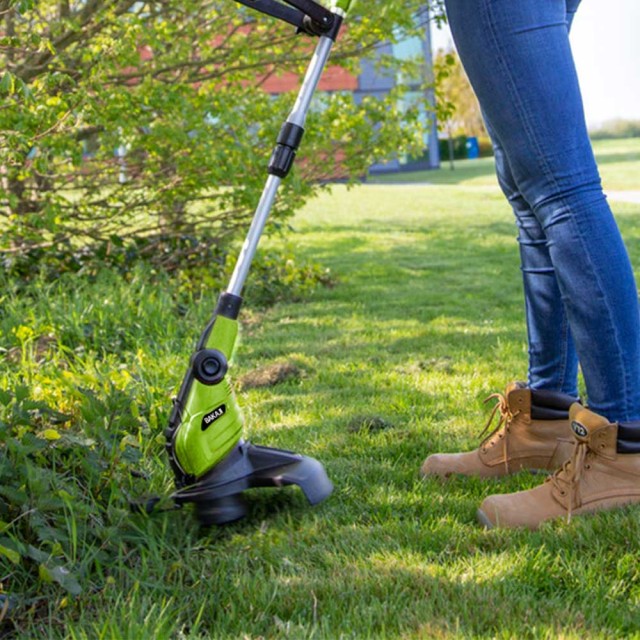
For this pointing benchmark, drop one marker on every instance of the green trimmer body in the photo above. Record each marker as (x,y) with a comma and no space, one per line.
(211,462)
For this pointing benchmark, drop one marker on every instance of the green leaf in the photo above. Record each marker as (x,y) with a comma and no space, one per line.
(5,397)
(67,580)
(22,392)
(37,554)
(44,574)
(7,84)
(14,496)
(12,554)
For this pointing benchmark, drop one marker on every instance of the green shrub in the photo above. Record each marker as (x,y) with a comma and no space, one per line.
(88,364)
(113,134)
(62,490)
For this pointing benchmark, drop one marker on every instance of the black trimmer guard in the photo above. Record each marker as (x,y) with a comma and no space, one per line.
(217,495)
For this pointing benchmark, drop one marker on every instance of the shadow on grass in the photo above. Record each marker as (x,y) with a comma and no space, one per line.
(388,555)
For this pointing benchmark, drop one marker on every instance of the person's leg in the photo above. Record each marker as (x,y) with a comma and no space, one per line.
(518,58)
(533,430)
(553,363)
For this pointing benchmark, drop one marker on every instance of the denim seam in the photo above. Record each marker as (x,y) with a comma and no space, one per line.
(529,341)
(545,26)
(612,327)
(565,349)
(601,292)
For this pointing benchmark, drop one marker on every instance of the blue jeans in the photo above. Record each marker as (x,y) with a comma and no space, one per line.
(581,300)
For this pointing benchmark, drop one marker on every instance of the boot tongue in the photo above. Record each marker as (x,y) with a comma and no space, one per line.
(512,386)
(585,423)
(518,398)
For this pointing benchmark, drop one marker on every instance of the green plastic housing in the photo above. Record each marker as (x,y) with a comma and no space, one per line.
(199,446)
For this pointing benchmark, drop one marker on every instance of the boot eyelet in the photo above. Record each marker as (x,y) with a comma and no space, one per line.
(563,493)
(587,466)
(603,445)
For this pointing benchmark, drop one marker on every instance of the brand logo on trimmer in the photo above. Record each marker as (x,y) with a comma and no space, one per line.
(212,416)
(579,429)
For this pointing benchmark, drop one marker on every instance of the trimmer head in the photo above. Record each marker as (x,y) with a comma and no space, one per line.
(211,463)
(217,495)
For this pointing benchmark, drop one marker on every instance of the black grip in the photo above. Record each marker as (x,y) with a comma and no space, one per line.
(290,135)
(287,145)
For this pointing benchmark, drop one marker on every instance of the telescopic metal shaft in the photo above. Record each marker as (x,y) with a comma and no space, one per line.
(297,117)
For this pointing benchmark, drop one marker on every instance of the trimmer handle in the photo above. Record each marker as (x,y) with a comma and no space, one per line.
(309,16)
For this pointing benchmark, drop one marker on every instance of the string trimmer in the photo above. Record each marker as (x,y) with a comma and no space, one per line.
(211,462)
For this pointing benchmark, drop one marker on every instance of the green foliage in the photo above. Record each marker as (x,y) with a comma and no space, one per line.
(281,275)
(130,122)
(459,111)
(455,149)
(172,253)
(62,490)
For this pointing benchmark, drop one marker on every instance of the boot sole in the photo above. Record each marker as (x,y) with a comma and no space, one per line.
(483,520)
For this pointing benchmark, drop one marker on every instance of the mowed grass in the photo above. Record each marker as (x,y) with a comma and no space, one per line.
(618,160)
(424,321)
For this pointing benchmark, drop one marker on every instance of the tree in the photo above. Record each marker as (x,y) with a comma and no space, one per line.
(139,124)
(462,114)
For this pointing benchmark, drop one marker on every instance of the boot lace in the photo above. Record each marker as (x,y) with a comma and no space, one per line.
(566,479)
(506,417)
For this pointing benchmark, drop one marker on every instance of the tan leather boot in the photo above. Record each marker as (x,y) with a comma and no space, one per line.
(595,478)
(517,442)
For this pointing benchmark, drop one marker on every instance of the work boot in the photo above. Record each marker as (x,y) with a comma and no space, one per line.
(532,432)
(596,477)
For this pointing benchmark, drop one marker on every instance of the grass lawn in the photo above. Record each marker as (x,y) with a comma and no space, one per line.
(619,162)
(423,322)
